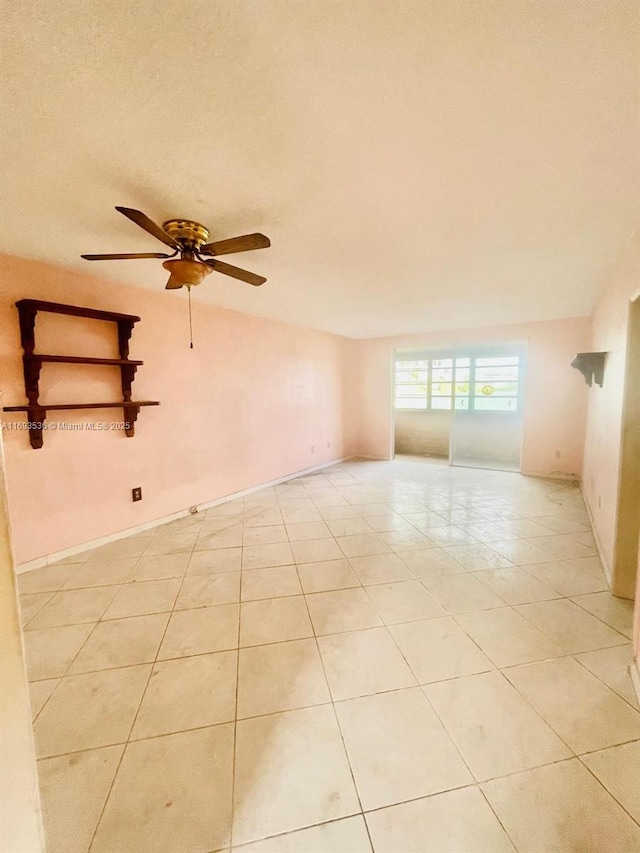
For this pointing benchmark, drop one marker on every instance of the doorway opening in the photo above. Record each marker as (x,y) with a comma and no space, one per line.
(463,404)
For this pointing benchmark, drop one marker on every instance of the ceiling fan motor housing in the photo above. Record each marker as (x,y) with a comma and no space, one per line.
(190,234)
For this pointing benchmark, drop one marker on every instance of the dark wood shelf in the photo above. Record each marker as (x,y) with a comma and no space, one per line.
(58,407)
(32,365)
(75,311)
(591,365)
(77,359)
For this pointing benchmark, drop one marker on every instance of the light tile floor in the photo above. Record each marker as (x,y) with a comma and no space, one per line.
(387,657)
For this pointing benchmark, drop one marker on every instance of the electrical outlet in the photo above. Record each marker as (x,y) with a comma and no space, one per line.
(136,494)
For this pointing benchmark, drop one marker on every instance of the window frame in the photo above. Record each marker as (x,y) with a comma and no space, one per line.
(470,396)
(427,361)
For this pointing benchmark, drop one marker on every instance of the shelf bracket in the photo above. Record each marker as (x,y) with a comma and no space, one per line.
(36,426)
(31,366)
(127,373)
(125,329)
(130,417)
(27,314)
(591,366)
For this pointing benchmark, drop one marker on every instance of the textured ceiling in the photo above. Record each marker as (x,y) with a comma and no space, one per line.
(417,164)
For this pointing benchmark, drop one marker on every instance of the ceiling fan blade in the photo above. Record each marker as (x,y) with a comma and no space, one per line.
(124,257)
(236,244)
(173,283)
(143,221)
(236,272)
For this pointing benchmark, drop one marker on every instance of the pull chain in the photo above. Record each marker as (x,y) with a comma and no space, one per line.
(190,324)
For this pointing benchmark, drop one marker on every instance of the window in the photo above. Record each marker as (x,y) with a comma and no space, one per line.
(496,384)
(424,384)
(464,383)
(412,389)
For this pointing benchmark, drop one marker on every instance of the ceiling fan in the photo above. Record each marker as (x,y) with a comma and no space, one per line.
(189,240)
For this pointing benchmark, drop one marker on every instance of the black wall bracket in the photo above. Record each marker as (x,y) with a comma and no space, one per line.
(591,366)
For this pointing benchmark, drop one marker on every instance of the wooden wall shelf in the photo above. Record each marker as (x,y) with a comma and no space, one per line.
(133,404)
(591,366)
(75,311)
(32,365)
(77,359)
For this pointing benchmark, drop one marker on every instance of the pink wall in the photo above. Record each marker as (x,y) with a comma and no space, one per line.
(555,394)
(246,406)
(604,419)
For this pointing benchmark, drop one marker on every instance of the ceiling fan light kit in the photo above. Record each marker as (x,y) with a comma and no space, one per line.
(189,240)
(185,272)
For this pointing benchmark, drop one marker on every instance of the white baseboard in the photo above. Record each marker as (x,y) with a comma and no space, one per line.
(554,475)
(149,525)
(371,458)
(635,677)
(605,565)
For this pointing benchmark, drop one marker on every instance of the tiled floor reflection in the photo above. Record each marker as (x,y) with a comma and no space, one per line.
(391,657)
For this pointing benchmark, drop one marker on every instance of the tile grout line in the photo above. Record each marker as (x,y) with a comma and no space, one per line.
(71,662)
(522,696)
(335,713)
(495,667)
(423,693)
(235,714)
(497,817)
(33,615)
(135,716)
(574,756)
(596,616)
(596,676)
(553,639)
(601,783)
